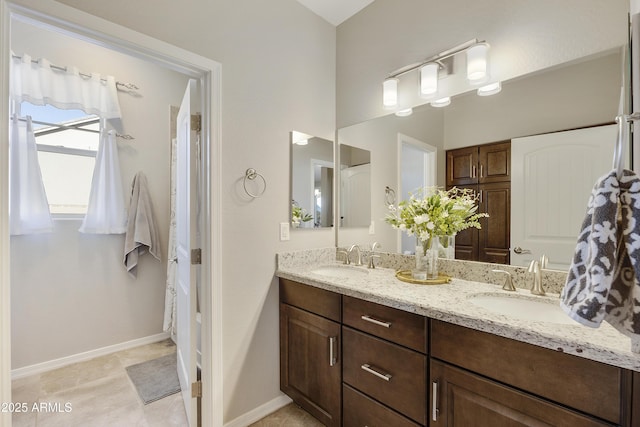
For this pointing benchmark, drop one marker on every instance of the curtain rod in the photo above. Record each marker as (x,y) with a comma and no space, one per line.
(119,85)
(76,126)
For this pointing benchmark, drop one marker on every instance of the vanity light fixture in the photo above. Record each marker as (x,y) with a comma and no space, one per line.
(477,62)
(442,102)
(438,67)
(404,113)
(390,93)
(429,79)
(490,89)
(299,138)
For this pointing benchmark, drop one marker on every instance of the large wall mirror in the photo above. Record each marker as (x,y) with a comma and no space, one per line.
(312,177)
(574,95)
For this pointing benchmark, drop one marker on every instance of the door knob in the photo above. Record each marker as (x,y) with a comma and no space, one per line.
(521,251)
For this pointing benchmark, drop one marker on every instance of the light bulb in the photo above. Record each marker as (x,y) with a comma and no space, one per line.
(390,93)
(429,79)
(477,62)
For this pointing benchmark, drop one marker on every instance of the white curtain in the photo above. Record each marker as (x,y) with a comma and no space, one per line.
(106,213)
(39,84)
(28,205)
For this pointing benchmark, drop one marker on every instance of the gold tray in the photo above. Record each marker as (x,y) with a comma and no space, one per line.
(405,276)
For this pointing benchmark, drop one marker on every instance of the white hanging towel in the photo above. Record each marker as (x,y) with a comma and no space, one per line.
(106,213)
(28,205)
(142,233)
(603,281)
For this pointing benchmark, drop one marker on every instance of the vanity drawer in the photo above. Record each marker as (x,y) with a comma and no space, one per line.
(315,300)
(401,327)
(592,387)
(391,374)
(359,410)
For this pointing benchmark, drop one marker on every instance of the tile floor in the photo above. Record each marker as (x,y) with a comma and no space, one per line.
(100,394)
(288,416)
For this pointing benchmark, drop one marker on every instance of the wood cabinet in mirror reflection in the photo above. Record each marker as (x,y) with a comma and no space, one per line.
(486,169)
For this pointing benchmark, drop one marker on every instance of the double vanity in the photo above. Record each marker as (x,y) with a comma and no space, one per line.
(361,348)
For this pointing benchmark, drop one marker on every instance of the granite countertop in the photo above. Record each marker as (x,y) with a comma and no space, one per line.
(451,303)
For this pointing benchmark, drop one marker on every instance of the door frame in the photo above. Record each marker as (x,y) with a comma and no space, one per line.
(208,72)
(430,165)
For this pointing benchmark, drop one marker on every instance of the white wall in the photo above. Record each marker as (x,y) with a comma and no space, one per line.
(525,36)
(582,94)
(278,74)
(70,291)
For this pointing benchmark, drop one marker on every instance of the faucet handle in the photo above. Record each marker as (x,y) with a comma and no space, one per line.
(372,256)
(375,245)
(544,260)
(346,255)
(508,283)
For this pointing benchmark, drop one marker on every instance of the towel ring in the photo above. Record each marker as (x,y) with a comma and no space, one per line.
(389,195)
(251,174)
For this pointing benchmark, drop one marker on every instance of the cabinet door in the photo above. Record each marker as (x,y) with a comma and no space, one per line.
(494,163)
(462,166)
(310,367)
(460,398)
(495,236)
(467,240)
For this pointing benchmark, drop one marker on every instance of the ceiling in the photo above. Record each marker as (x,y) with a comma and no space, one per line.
(335,11)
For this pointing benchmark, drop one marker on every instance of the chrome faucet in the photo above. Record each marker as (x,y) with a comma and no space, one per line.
(357,249)
(536,268)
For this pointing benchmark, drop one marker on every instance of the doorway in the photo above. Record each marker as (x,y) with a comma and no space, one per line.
(70,21)
(416,170)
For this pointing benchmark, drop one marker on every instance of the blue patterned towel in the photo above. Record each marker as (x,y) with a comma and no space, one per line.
(603,281)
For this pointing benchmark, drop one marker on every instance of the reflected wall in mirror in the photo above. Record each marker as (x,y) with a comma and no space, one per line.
(575,95)
(312,171)
(355,186)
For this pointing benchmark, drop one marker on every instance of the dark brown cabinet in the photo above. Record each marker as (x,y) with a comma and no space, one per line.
(355,363)
(486,169)
(522,382)
(310,361)
(460,398)
(479,164)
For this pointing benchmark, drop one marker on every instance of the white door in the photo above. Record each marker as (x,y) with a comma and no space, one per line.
(186,240)
(417,170)
(356,190)
(551,179)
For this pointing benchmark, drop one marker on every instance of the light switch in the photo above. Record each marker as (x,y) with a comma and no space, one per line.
(284,231)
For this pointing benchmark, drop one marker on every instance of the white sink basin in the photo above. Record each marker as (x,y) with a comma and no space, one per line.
(540,310)
(340,271)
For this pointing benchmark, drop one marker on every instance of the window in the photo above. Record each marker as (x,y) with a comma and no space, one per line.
(67,144)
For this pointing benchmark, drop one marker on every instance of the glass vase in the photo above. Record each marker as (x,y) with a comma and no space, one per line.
(446,246)
(426,259)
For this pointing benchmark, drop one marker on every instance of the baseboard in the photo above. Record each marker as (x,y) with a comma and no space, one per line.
(81,357)
(260,412)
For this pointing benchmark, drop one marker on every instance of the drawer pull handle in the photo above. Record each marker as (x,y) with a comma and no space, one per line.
(380,375)
(376,321)
(332,351)
(434,401)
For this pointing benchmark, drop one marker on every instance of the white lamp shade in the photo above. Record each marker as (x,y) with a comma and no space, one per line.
(490,89)
(390,93)
(429,79)
(477,62)
(442,102)
(405,112)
